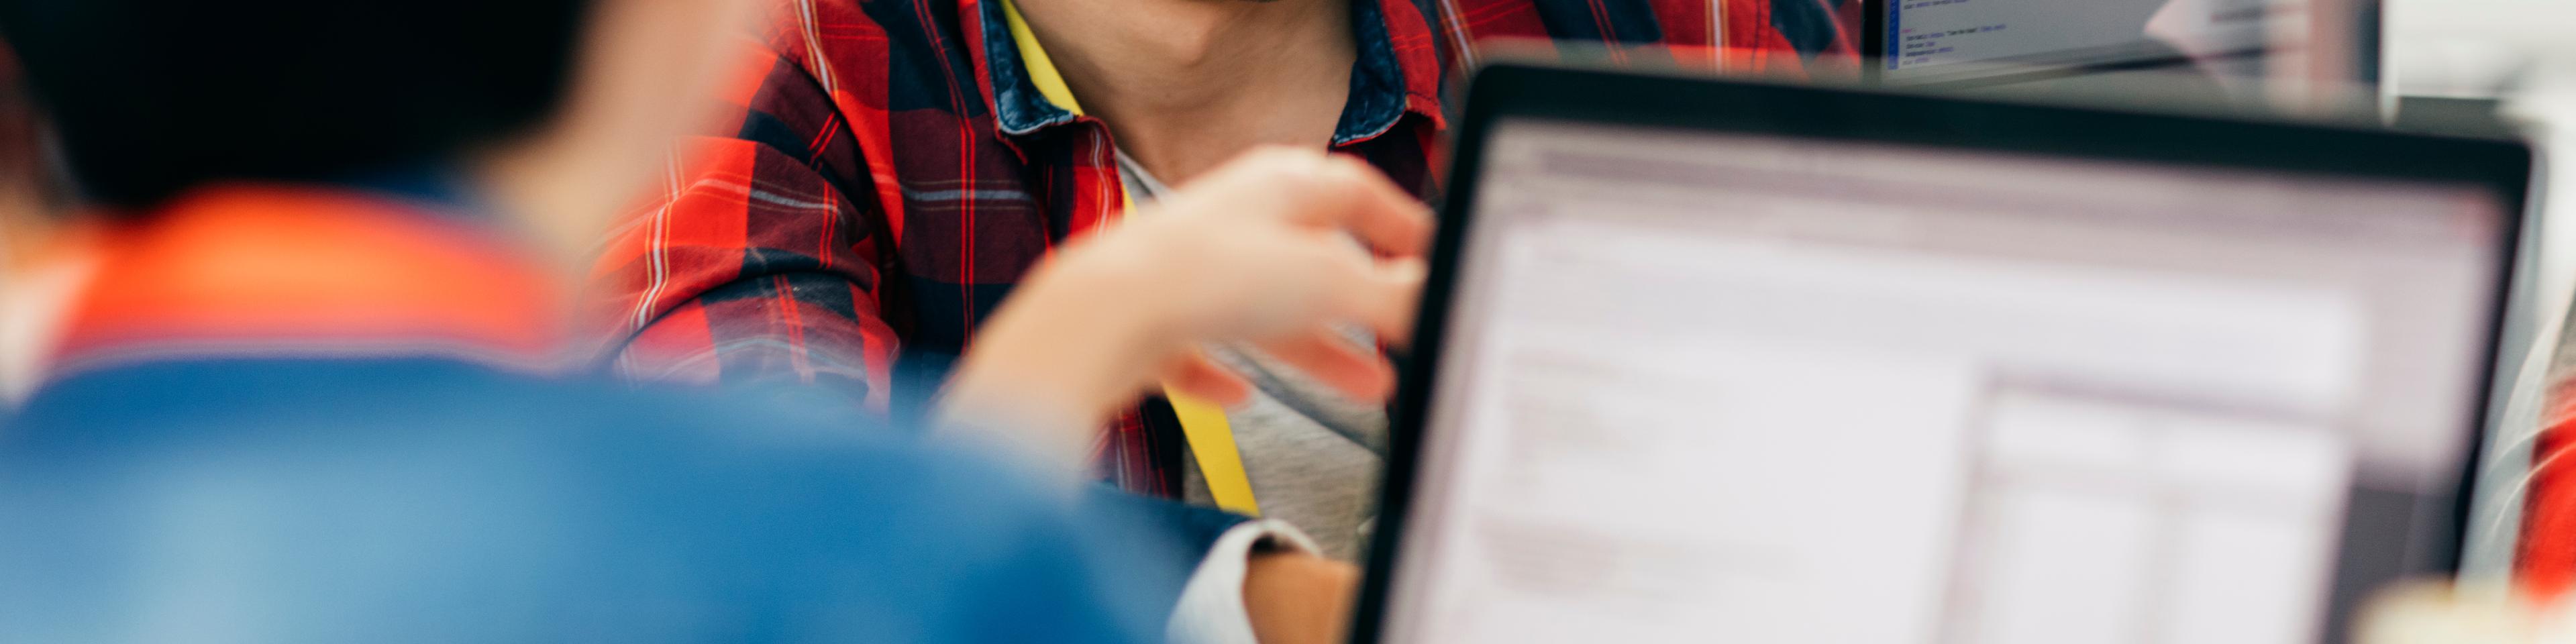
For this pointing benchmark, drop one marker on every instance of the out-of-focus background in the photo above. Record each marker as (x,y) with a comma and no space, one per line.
(2459,61)
(2474,48)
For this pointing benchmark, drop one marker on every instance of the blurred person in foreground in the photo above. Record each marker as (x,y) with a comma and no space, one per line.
(310,393)
(889,172)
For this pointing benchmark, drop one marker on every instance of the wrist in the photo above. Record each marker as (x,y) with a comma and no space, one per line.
(1071,346)
(1299,597)
(1131,290)
(1110,314)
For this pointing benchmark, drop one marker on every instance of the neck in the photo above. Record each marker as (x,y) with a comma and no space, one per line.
(1186,84)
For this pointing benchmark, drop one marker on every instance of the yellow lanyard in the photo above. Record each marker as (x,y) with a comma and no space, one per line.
(1210,435)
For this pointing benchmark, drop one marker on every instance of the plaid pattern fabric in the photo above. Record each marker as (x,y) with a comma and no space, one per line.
(888,172)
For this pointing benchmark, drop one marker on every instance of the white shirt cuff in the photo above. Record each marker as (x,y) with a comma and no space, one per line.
(1211,608)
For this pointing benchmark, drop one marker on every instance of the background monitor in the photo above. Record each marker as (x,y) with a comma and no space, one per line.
(2302,56)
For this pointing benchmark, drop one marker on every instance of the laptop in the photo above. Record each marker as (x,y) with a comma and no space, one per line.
(1706,360)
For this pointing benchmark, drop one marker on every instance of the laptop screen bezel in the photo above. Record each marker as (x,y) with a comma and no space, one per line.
(1515,90)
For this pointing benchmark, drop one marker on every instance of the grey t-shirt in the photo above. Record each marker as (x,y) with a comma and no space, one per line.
(1313,455)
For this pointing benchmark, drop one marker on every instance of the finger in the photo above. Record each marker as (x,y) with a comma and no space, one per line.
(1352,195)
(1384,295)
(1313,189)
(1324,355)
(1197,377)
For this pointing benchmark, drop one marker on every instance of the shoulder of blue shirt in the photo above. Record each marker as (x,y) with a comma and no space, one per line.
(430,500)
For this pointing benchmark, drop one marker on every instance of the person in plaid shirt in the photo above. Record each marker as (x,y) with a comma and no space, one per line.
(890,170)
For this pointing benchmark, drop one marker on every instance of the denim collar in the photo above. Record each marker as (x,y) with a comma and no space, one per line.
(1382,86)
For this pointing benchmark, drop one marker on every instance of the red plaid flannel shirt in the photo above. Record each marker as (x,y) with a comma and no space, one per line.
(889,172)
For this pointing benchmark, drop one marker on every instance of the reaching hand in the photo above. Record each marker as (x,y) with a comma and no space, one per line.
(1259,250)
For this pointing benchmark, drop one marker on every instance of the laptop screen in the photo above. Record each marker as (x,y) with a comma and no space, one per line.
(1701,386)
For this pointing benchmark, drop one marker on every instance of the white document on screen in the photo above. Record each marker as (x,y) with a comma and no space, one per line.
(1603,518)
(1742,460)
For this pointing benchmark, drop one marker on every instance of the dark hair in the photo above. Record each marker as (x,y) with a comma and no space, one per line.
(23,171)
(150,98)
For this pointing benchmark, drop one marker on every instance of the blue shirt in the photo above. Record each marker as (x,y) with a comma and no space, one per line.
(389,500)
